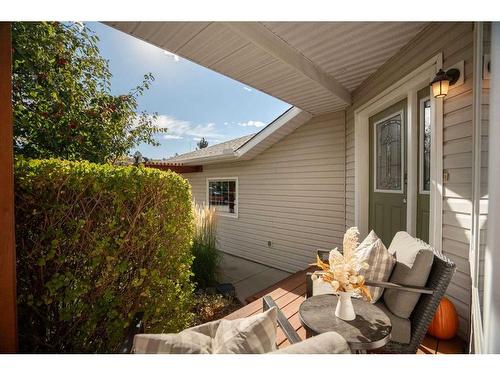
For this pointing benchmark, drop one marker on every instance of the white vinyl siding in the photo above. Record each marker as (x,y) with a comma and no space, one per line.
(455,41)
(292,194)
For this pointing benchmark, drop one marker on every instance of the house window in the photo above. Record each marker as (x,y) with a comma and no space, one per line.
(222,194)
(425,146)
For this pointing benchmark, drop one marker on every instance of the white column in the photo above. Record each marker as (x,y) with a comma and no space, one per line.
(412,155)
(492,254)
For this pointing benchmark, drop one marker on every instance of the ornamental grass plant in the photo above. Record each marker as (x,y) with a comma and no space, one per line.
(206,257)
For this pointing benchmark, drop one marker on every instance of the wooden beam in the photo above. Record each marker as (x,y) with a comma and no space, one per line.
(8,317)
(264,38)
(175,168)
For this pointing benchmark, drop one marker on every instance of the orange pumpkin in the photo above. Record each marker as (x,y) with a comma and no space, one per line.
(444,325)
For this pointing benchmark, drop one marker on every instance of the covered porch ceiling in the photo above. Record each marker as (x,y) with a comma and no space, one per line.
(314,66)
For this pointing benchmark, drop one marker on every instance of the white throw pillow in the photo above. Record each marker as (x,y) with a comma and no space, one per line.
(253,335)
(381,263)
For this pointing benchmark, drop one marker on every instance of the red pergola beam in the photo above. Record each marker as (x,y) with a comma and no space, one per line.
(8,316)
(176,168)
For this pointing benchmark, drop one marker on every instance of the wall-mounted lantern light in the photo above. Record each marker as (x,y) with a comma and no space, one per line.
(443,80)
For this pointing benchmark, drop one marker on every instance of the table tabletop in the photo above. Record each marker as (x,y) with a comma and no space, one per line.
(370,329)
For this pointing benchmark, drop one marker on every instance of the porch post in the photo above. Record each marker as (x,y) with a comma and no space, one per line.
(8,317)
(492,252)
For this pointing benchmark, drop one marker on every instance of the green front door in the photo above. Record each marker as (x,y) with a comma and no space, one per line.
(387,212)
(424,164)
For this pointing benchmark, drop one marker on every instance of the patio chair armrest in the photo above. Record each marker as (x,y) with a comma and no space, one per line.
(406,288)
(309,284)
(283,322)
(135,327)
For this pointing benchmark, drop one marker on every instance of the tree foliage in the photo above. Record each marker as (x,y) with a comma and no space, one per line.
(203,143)
(63,106)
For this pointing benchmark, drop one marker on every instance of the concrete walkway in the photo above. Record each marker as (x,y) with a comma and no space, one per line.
(247,277)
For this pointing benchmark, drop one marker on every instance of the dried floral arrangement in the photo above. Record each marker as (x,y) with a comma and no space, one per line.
(342,271)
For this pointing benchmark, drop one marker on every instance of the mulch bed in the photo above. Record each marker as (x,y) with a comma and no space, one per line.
(213,306)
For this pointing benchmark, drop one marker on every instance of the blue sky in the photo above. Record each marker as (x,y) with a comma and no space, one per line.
(192,101)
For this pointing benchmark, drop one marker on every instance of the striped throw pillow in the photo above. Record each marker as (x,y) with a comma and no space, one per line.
(172,343)
(253,335)
(381,263)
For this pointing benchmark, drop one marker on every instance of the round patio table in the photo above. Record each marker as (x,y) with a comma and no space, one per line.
(371,329)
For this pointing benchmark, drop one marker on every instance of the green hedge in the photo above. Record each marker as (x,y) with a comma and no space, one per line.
(96,244)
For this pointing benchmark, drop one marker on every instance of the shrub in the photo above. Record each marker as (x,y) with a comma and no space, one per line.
(95,245)
(206,257)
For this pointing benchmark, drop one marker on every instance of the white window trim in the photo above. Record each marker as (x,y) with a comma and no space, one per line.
(406,87)
(236,200)
(421,146)
(400,191)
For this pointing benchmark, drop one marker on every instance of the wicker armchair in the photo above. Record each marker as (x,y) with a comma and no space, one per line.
(326,343)
(439,278)
(441,273)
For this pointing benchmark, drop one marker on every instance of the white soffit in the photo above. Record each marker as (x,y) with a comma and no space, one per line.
(348,51)
(312,65)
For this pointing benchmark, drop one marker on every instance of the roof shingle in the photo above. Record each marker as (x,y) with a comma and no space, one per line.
(211,151)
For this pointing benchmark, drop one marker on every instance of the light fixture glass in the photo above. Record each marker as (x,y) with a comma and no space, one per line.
(440,88)
(442,82)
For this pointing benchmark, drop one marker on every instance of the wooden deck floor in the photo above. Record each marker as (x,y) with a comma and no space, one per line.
(289,294)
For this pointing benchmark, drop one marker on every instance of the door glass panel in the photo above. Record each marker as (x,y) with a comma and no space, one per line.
(426,147)
(388,154)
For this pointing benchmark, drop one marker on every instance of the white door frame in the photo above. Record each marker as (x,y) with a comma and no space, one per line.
(406,87)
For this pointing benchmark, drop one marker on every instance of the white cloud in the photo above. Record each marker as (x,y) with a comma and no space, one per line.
(172,55)
(181,129)
(257,124)
(172,136)
(247,88)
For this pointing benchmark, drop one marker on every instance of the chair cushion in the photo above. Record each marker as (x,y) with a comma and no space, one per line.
(401,328)
(414,260)
(253,335)
(380,260)
(406,248)
(320,287)
(325,343)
